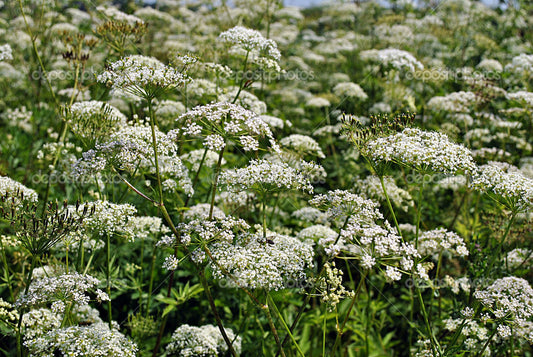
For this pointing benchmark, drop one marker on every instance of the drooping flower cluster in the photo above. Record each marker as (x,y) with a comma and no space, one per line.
(506,184)
(220,121)
(275,263)
(330,286)
(204,341)
(142,76)
(422,150)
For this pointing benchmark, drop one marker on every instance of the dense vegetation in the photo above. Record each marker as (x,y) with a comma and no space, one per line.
(205,179)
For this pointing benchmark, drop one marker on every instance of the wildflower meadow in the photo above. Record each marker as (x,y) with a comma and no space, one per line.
(245,178)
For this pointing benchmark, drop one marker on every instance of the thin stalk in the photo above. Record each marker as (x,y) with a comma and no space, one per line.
(215,182)
(435,347)
(480,353)
(34,45)
(241,85)
(108,279)
(285,324)
(154,146)
(6,270)
(390,205)
(151,283)
(354,298)
(215,312)
(266,309)
(27,288)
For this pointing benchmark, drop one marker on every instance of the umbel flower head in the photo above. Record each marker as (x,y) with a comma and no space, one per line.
(263,176)
(506,184)
(204,341)
(254,262)
(219,122)
(141,75)
(422,150)
(251,40)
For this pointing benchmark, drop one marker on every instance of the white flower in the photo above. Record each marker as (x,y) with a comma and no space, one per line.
(423,150)
(349,89)
(141,75)
(5,52)
(251,40)
(397,59)
(206,341)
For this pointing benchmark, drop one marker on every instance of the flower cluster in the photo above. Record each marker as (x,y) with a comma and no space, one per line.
(456,102)
(302,145)
(340,203)
(131,149)
(222,120)
(397,59)
(92,341)
(204,341)
(251,40)
(141,75)
(61,290)
(108,218)
(275,263)
(330,286)
(438,241)
(422,150)
(509,302)
(94,119)
(506,184)
(5,52)
(264,176)
(14,192)
(350,90)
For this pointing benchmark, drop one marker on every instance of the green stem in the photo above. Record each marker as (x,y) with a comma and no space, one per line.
(390,205)
(354,298)
(215,312)
(27,288)
(215,182)
(108,279)
(284,324)
(151,283)
(154,146)
(266,309)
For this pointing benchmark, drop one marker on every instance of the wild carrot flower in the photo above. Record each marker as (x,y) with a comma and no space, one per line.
(206,341)
(142,76)
(264,176)
(506,184)
(254,263)
(422,150)
(219,122)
